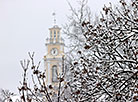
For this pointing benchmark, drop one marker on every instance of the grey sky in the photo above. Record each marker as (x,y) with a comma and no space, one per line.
(24,27)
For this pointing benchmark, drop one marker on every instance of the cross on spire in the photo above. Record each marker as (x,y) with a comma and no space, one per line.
(54,15)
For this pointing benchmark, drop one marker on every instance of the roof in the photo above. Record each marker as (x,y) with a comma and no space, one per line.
(55,27)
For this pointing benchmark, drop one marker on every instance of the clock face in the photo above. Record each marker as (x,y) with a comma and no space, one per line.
(54,51)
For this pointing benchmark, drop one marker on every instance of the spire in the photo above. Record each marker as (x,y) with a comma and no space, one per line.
(54,15)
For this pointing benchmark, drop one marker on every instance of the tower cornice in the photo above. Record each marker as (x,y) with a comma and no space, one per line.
(55,27)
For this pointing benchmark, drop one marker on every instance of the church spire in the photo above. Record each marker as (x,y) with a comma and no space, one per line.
(55,33)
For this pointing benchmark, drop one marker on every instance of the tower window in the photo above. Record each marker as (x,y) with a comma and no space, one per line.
(54,33)
(58,34)
(54,73)
(50,34)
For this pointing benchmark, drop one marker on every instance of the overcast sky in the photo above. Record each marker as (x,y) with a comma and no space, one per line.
(24,27)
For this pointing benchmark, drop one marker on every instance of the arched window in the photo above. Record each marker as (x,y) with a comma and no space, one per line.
(58,34)
(54,33)
(54,73)
(50,34)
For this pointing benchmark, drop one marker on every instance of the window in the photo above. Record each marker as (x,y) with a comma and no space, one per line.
(54,33)
(58,34)
(54,73)
(50,34)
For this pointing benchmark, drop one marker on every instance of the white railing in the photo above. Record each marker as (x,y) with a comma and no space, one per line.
(56,40)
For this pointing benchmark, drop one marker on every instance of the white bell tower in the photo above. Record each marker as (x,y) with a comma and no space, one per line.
(53,59)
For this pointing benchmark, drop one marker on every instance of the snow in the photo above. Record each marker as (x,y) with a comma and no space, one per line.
(14,99)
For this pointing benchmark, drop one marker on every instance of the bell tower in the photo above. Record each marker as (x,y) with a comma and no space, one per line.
(53,59)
